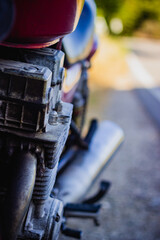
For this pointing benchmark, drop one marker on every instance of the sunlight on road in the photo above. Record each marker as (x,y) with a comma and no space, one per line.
(121,66)
(109,67)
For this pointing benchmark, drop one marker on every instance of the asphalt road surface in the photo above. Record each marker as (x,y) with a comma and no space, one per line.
(148,52)
(131,209)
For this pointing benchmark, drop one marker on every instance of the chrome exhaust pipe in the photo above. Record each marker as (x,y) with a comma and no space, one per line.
(74,182)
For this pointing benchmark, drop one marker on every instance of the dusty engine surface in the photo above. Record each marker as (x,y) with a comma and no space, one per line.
(34,119)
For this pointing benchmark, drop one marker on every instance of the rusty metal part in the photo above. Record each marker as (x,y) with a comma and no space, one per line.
(19,194)
(44,136)
(52,139)
(46,227)
(54,221)
(47,147)
(24,95)
(46,57)
(42,190)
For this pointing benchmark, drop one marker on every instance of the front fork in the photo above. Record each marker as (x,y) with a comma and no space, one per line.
(19,194)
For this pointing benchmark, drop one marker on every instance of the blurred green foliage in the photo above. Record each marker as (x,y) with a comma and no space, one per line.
(131,12)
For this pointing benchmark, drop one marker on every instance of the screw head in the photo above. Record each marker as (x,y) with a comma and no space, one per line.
(57,218)
(53,117)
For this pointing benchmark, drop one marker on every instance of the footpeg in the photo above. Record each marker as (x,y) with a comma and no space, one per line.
(71,232)
(83,210)
(104,188)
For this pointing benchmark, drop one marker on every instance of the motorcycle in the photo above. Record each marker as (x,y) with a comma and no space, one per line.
(46,164)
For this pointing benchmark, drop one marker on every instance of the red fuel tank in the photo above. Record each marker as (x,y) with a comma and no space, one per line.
(39,23)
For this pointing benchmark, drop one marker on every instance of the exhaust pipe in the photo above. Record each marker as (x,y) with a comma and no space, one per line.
(74,182)
(19,194)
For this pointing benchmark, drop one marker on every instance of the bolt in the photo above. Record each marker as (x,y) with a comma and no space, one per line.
(31,69)
(53,117)
(38,149)
(30,226)
(59,106)
(57,218)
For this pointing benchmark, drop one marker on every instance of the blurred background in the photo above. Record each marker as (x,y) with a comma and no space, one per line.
(124,80)
(126,17)
(124,27)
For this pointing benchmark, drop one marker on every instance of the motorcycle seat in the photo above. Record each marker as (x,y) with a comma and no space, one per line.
(78,45)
